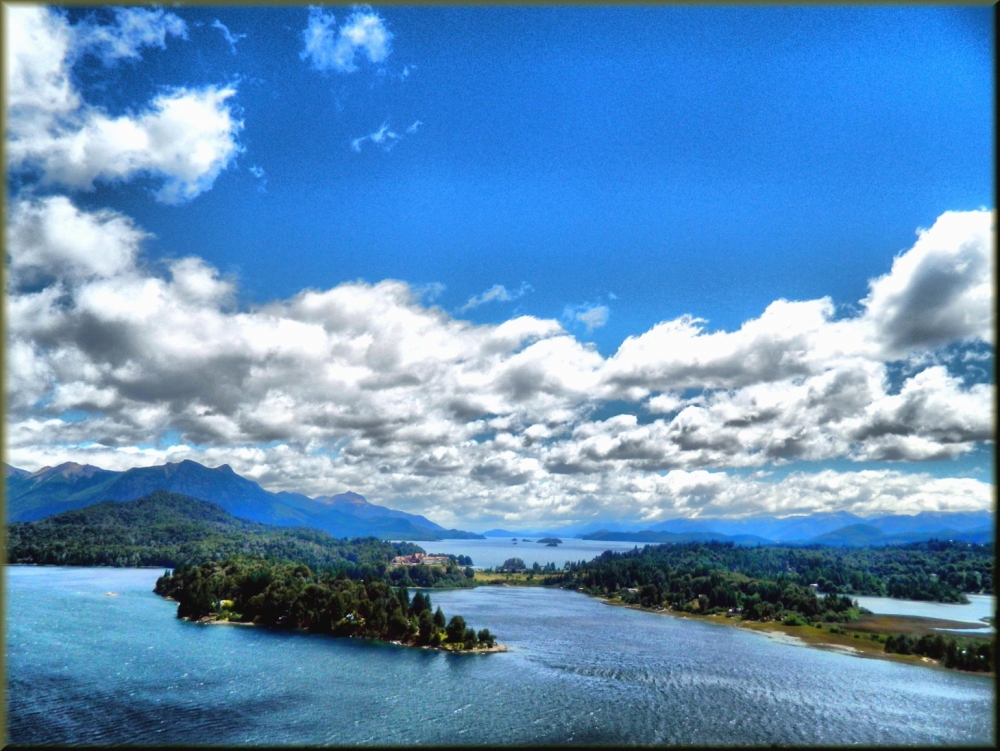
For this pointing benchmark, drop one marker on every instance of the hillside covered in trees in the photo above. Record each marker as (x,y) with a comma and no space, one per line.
(771,581)
(169,529)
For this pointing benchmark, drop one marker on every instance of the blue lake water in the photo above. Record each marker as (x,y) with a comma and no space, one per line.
(978,607)
(83,667)
(493,551)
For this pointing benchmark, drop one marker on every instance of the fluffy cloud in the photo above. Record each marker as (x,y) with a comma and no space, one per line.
(941,290)
(365,386)
(843,412)
(937,292)
(36,45)
(184,137)
(508,488)
(329,48)
(53,240)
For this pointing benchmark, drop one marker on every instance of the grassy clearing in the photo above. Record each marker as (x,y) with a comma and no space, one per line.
(910,625)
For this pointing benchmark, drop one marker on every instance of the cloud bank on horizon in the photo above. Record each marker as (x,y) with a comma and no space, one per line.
(368,386)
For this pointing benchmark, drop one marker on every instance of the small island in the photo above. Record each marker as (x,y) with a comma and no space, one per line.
(551,541)
(291,596)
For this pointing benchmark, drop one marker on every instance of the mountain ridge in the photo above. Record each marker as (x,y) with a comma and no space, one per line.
(70,486)
(851,535)
(169,529)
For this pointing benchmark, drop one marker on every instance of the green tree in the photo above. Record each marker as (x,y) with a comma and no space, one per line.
(426,627)
(469,638)
(420,603)
(404,599)
(513,564)
(486,638)
(456,629)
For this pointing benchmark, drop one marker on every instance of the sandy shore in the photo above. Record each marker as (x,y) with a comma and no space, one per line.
(855,641)
(210,621)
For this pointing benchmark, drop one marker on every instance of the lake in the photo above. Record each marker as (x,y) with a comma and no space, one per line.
(493,551)
(87,668)
(978,607)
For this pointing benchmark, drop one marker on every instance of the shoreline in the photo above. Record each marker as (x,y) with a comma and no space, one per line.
(208,620)
(808,636)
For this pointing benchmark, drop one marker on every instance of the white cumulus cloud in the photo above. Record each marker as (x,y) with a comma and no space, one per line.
(369,386)
(184,137)
(941,290)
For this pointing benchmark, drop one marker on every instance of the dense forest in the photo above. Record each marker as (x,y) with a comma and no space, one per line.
(288,595)
(438,577)
(799,587)
(168,529)
(721,575)
(974,655)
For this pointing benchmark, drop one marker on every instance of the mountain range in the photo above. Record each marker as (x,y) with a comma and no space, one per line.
(799,528)
(841,529)
(69,486)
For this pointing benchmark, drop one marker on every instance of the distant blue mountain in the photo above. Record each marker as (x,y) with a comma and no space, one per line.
(770,527)
(653,537)
(519,534)
(837,529)
(51,490)
(804,528)
(928,520)
(577,530)
(858,535)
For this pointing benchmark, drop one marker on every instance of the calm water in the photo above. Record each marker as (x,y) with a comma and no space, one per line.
(493,551)
(87,668)
(978,607)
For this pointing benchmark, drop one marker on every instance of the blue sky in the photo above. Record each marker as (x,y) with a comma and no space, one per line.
(519,229)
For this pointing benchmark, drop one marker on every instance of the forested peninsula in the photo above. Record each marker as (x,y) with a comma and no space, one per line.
(799,587)
(289,595)
(786,577)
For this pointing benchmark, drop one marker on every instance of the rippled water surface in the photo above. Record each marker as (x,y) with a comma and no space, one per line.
(84,667)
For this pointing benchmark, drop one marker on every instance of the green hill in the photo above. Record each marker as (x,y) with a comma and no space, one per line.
(169,529)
